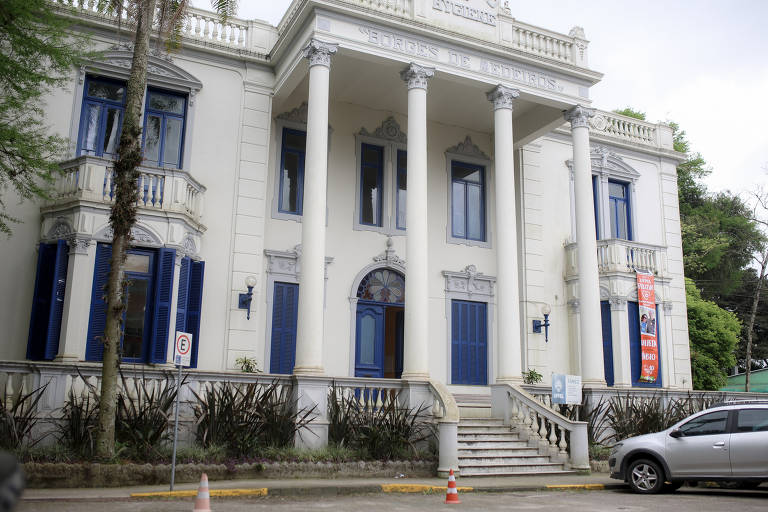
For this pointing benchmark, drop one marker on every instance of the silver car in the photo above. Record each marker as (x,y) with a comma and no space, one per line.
(727,442)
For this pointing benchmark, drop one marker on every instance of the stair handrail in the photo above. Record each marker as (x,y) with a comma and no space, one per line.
(535,421)
(445,408)
(446,412)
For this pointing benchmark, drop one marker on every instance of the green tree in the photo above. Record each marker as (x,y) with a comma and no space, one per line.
(630,112)
(714,334)
(37,52)
(142,17)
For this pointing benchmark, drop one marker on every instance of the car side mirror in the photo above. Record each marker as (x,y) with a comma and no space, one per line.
(676,433)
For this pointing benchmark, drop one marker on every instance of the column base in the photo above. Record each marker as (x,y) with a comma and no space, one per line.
(66,358)
(415,376)
(312,371)
(593,383)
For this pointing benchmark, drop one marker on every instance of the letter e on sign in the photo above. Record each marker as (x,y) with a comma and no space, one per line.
(182,349)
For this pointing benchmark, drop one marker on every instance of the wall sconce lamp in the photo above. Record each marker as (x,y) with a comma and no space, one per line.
(246,298)
(538,324)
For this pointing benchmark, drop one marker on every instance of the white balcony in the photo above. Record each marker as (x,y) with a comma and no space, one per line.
(616,256)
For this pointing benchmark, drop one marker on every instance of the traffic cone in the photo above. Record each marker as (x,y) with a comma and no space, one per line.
(452,496)
(203,500)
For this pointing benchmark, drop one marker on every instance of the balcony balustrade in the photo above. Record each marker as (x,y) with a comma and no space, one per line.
(616,255)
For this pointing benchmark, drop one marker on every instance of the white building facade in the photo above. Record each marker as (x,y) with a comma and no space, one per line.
(410,183)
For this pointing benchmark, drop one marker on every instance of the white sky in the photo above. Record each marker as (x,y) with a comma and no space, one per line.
(701,63)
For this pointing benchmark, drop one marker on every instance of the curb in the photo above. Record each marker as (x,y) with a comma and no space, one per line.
(331,490)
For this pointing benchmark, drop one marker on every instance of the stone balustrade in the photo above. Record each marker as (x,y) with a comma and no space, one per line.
(88,178)
(624,128)
(543,43)
(617,255)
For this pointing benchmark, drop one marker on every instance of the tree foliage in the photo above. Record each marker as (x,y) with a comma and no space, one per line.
(630,112)
(714,334)
(36,53)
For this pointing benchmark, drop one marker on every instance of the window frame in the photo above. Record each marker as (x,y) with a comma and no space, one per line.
(378,214)
(87,100)
(484,166)
(302,168)
(612,213)
(726,429)
(164,117)
(389,196)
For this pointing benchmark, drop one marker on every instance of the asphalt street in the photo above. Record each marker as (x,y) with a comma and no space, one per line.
(685,500)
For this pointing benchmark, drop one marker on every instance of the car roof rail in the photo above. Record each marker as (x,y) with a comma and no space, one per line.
(740,402)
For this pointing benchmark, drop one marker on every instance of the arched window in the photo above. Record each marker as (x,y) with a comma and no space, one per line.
(382,285)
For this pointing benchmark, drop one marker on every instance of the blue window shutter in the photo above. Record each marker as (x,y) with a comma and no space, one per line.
(57,300)
(41,302)
(161,320)
(605,313)
(633,313)
(94,347)
(455,357)
(194,304)
(181,303)
(469,343)
(285,307)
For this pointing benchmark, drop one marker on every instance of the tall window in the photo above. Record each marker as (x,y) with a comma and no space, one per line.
(163,128)
(371,178)
(292,171)
(618,200)
(101,118)
(102,115)
(402,181)
(468,201)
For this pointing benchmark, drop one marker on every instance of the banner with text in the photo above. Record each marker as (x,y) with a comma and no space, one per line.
(649,348)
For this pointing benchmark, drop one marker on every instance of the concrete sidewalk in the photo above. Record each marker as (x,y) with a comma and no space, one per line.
(303,487)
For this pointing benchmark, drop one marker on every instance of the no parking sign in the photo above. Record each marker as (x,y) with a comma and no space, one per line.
(182,349)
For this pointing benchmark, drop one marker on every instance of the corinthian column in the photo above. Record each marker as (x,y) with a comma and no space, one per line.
(309,335)
(415,353)
(590,326)
(507,287)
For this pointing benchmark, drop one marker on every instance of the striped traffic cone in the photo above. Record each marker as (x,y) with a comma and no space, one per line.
(452,496)
(203,500)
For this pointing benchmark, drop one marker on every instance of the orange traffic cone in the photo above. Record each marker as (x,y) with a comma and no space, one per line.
(203,500)
(452,496)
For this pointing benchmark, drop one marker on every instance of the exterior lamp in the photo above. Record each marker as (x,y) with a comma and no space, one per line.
(538,324)
(246,298)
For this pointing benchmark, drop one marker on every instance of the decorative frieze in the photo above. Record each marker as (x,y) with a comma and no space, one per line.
(297,115)
(287,264)
(319,52)
(502,97)
(416,76)
(389,130)
(468,148)
(618,303)
(469,282)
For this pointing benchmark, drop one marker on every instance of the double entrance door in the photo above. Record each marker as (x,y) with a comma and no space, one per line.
(379,340)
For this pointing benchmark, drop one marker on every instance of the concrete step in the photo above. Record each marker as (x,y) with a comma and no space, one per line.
(505,468)
(514,460)
(487,437)
(473,406)
(492,445)
(507,452)
(485,430)
(470,472)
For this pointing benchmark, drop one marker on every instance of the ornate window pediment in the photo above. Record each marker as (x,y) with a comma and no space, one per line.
(161,71)
(469,283)
(467,148)
(389,130)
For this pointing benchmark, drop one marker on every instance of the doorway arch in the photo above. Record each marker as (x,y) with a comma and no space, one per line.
(379,319)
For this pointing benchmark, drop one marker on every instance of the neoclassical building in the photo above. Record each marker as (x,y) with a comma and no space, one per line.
(409,186)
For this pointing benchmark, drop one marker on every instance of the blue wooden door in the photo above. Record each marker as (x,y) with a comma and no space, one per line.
(634,345)
(285,309)
(369,341)
(469,343)
(605,313)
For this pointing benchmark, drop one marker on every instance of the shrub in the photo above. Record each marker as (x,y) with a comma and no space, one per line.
(18,416)
(245,417)
(378,427)
(79,421)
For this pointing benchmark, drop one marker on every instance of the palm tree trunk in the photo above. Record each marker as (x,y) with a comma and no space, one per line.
(751,323)
(122,218)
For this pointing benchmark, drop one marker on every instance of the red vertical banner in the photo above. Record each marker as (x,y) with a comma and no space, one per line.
(649,347)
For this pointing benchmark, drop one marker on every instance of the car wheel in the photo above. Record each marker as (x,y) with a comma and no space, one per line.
(646,477)
(673,486)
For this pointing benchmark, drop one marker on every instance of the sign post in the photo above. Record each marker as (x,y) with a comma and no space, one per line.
(182,356)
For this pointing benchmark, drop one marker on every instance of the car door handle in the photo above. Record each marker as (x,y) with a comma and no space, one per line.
(719,444)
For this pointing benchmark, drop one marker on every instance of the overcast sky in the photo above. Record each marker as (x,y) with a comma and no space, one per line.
(701,63)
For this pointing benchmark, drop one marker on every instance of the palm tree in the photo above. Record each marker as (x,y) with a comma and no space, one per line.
(163,18)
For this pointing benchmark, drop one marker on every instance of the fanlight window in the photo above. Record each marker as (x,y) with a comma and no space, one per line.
(382,285)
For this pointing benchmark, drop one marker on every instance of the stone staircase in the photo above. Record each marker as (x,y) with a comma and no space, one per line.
(487,447)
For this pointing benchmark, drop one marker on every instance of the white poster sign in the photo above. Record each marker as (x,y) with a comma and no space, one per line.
(182,349)
(566,389)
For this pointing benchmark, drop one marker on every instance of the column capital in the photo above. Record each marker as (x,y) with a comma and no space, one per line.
(78,244)
(319,52)
(578,116)
(502,97)
(417,76)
